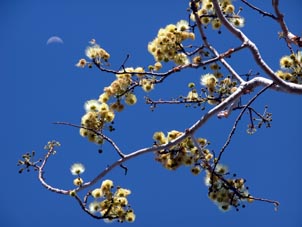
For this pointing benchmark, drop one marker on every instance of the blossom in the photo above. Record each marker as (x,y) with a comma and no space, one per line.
(196,170)
(92,52)
(208,80)
(81,63)
(94,206)
(97,193)
(130,99)
(221,169)
(122,192)
(182,25)
(216,24)
(104,97)
(107,185)
(286,62)
(77,168)
(130,216)
(78,181)
(237,21)
(91,105)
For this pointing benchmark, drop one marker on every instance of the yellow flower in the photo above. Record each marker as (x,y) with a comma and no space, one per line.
(78,181)
(91,105)
(286,62)
(208,80)
(173,135)
(230,9)
(81,63)
(130,216)
(130,99)
(122,192)
(238,22)
(107,185)
(109,116)
(97,193)
(159,137)
(182,25)
(157,66)
(103,107)
(77,168)
(94,206)
(147,85)
(196,170)
(216,24)
(91,52)
(104,98)
(192,95)
(205,20)
(140,72)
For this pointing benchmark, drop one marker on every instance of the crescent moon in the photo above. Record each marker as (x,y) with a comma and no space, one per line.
(54,39)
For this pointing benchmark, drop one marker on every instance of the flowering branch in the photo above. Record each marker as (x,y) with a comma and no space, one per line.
(289,87)
(51,151)
(222,92)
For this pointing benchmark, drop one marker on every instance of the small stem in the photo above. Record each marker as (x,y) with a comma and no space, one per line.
(41,175)
(237,121)
(120,153)
(259,10)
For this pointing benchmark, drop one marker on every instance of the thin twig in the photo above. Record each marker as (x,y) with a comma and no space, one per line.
(41,175)
(237,121)
(84,208)
(259,10)
(118,150)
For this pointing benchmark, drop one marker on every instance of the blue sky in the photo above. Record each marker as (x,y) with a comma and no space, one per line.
(41,85)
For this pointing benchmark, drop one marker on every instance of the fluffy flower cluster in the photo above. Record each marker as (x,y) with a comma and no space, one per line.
(111,205)
(167,45)
(292,68)
(217,88)
(95,53)
(97,114)
(123,80)
(184,153)
(207,15)
(226,193)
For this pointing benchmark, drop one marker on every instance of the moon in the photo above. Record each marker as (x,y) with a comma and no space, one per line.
(54,39)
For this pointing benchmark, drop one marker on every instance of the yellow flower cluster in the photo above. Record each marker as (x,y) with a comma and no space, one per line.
(292,68)
(97,114)
(226,194)
(207,15)
(94,52)
(184,153)
(111,205)
(118,88)
(216,85)
(167,45)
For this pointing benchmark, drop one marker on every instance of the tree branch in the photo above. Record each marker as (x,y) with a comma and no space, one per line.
(237,121)
(286,86)
(259,10)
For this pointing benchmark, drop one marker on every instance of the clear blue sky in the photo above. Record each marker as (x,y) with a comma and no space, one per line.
(41,85)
